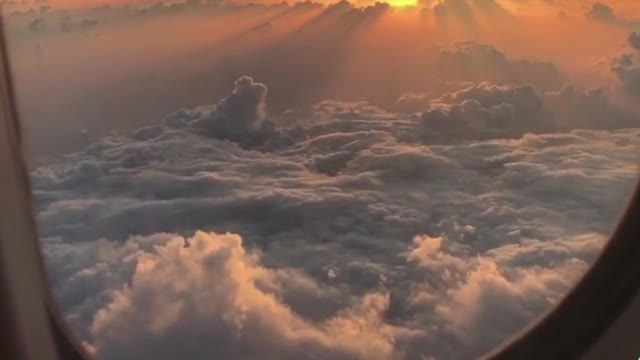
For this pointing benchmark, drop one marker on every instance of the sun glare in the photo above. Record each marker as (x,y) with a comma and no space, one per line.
(403,3)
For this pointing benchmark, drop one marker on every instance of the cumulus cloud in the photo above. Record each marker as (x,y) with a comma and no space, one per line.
(591,109)
(604,13)
(473,61)
(490,301)
(238,117)
(500,290)
(626,67)
(358,236)
(212,297)
(207,295)
(628,72)
(487,108)
(493,111)
(634,40)
(414,102)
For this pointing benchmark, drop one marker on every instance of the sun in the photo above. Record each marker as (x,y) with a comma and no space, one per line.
(402,3)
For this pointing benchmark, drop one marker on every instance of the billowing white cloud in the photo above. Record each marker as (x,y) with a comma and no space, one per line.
(487,297)
(206,295)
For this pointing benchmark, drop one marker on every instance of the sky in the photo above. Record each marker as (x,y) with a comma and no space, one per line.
(123,52)
(322,180)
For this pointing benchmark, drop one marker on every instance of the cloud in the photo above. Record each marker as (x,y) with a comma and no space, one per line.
(343,67)
(606,14)
(37,24)
(68,24)
(494,111)
(626,67)
(602,12)
(473,61)
(414,102)
(210,288)
(460,9)
(346,234)
(211,296)
(496,292)
(490,301)
(634,40)
(591,109)
(238,117)
(628,73)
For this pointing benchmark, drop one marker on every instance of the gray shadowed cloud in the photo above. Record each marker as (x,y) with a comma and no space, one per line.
(604,13)
(474,61)
(634,40)
(591,109)
(626,67)
(355,233)
(487,111)
(69,24)
(240,116)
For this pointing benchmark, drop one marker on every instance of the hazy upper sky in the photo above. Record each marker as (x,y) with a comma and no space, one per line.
(93,69)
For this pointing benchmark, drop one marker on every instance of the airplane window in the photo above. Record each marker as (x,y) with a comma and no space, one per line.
(411,179)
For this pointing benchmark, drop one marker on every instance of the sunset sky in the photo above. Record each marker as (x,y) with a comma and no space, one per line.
(110,45)
(320,180)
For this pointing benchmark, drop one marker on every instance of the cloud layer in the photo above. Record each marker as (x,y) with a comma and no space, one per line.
(350,233)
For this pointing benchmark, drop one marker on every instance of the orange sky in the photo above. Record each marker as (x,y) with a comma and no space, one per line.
(91,2)
(621,6)
(618,4)
(205,52)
